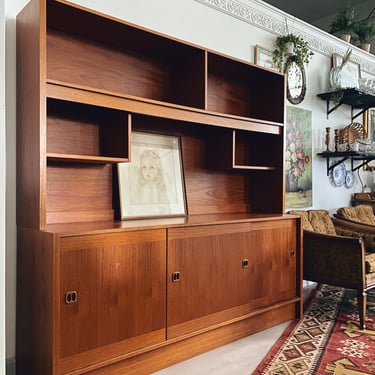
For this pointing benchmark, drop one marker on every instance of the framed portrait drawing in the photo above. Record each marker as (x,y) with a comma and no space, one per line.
(263,57)
(152,183)
(350,73)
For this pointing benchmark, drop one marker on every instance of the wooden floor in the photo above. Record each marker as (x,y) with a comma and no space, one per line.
(238,358)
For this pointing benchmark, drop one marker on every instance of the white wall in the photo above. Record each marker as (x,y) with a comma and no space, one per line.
(2,189)
(12,7)
(228,27)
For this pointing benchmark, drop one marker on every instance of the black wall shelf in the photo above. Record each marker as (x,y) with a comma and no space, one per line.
(358,100)
(347,155)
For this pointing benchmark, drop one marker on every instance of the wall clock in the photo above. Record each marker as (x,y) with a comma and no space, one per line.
(296,81)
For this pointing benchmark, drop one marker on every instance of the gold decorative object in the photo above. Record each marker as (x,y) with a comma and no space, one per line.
(351,133)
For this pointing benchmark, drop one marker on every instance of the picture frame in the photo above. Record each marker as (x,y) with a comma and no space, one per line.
(263,57)
(369,126)
(350,73)
(298,151)
(152,183)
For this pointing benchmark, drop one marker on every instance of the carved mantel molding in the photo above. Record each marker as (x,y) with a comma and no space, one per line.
(269,18)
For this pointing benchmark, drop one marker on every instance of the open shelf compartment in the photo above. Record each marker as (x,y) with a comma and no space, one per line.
(246,150)
(80,132)
(78,193)
(121,59)
(241,89)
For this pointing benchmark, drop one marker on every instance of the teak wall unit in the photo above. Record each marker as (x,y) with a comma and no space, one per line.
(102,296)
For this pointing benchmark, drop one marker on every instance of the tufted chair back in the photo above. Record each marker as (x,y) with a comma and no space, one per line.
(316,221)
(363,214)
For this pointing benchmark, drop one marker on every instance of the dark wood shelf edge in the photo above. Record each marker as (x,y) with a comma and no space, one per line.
(137,105)
(112,226)
(352,155)
(353,97)
(84,159)
(253,168)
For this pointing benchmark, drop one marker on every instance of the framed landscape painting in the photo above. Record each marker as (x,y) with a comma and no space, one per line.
(263,57)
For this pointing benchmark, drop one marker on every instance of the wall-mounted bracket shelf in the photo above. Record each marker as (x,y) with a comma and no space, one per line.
(343,156)
(358,100)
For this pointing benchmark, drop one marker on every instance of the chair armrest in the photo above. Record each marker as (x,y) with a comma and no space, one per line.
(345,227)
(334,260)
(347,223)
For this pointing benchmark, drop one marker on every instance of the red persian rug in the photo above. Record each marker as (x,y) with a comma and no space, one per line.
(327,340)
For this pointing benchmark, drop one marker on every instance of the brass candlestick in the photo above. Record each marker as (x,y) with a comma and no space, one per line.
(336,140)
(328,138)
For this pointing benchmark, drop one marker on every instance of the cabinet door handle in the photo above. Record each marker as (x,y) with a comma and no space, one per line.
(71,297)
(245,263)
(292,253)
(176,276)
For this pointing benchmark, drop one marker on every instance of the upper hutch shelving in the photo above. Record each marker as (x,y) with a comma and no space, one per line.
(88,283)
(94,79)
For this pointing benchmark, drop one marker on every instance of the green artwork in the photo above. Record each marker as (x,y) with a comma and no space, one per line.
(298,168)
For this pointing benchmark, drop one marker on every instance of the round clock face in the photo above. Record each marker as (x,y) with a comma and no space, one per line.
(296,81)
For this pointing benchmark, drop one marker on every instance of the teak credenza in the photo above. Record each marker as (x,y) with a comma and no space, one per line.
(99,295)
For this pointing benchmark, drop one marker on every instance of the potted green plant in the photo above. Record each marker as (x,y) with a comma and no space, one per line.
(300,50)
(365,31)
(342,24)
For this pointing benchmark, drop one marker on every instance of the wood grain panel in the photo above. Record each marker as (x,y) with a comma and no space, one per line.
(267,194)
(80,61)
(31,172)
(68,137)
(212,280)
(78,189)
(257,149)
(35,302)
(149,362)
(208,190)
(120,285)
(188,76)
(275,254)
(171,78)
(243,90)
(227,96)
(80,129)
(265,97)
(214,285)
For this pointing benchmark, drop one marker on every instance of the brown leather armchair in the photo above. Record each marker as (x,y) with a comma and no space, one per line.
(334,259)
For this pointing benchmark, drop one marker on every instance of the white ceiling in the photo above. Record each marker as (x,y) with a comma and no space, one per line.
(312,11)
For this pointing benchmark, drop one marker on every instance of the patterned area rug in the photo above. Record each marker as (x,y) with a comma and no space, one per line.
(327,340)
